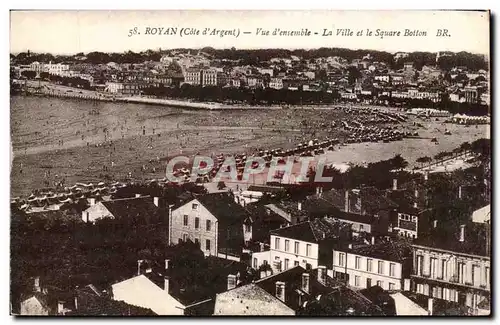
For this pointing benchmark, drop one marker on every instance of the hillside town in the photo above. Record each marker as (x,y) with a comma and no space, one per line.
(442,79)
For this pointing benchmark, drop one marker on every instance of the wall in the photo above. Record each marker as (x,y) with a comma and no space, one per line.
(177,228)
(279,254)
(363,272)
(445,283)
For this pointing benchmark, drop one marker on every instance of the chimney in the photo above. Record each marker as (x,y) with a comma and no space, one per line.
(415,205)
(299,206)
(167,264)
(350,246)
(321,274)
(261,245)
(92,201)
(231,281)
(430,306)
(137,195)
(462,233)
(156,201)
(460,192)
(416,193)
(166,285)
(170,210)
(76,300)
(406,285)
(36,284)
(305,282)
(60,307)
(435,223)
(139,262)
(280,290)
(426,176)
(394,184)
(346,207)
(373,240)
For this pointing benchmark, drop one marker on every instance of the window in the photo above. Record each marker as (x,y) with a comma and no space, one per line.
(254,262)
(296,263)
(287,263)
(357,280)
(196,223)
(209,225)
(195,206)
(308,250)
(207,245)
(180,240)
(296,248)
(420,288)
(420,264)
(461,272)
(185,220)
(443,272)
(196,241)
(392,286)
(368,282)
(433,273)
(357,263)
(361,228)
(476,275)
(486,276)
(287,245)
(369,266)
(380,283)
(185,237)
(341,259)
(248,227)
(380,267)
(392,269)
(276,243)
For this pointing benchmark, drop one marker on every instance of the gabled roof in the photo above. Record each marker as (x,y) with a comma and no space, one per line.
(89,304)
(223,207)
(141,209)
(250,299)
(396,251)
(301,231)
(313,231)
(142,292)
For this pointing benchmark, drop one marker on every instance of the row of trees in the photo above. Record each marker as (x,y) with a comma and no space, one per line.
(66,81)
(256,56)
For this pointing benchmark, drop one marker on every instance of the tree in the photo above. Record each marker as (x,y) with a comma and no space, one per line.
(29,74)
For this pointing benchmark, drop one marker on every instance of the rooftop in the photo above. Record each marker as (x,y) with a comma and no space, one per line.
(140,209)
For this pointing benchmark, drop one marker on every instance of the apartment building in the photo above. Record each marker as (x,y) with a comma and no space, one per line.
(455,270)
(385,264)
(305,244)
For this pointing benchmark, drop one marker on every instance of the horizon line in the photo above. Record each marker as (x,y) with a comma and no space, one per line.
(247,49)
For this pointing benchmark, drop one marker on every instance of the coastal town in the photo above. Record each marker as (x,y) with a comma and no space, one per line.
(459,80)
(250,182)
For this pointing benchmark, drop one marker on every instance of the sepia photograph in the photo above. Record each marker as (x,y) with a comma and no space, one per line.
(250,163)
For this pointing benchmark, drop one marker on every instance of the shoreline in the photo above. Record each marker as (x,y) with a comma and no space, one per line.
(57,91)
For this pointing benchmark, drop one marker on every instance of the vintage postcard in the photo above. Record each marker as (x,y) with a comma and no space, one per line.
(219,163)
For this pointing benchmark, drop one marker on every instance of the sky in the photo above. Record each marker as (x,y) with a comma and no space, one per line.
(71,32)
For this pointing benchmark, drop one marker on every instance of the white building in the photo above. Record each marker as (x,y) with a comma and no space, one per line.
(297,245)
(369,265)
(276,83)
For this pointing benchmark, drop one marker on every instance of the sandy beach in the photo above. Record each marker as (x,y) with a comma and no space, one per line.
(139,139)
